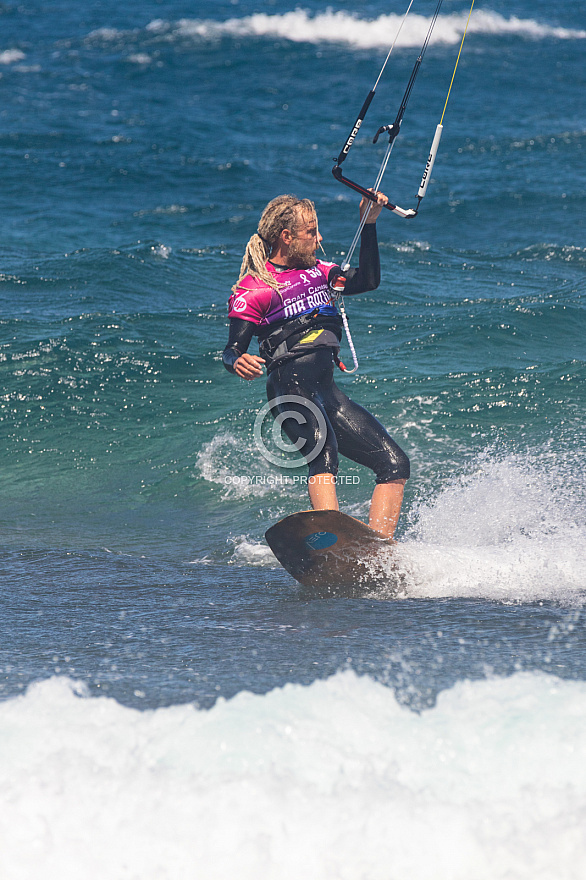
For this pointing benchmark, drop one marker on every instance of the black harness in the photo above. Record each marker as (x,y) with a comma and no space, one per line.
(275,344)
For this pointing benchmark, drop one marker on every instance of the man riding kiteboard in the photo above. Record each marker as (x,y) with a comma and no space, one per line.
(285,296)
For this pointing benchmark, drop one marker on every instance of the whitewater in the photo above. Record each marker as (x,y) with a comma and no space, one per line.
(489,783)
(171,705)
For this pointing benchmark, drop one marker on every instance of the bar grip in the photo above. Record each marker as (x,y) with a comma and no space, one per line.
(429,167)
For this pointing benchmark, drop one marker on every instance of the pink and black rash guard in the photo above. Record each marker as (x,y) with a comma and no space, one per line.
(257,309)
(300,291)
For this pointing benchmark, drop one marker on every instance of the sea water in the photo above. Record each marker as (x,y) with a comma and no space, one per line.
(171,706)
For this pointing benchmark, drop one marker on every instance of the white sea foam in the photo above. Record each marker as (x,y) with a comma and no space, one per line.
(343,27)
(140,58)
(10,56)
(335,779)
(107,34)
(241,470)
(511,529)
(250,552)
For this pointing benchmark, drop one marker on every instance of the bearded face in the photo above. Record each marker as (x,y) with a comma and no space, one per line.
(306,239)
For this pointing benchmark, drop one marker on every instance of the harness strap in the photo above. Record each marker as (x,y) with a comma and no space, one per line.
(277,344)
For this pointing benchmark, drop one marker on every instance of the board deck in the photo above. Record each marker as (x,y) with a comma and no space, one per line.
(330,553)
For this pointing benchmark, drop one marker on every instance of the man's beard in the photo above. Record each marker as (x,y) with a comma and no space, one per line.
(301,257)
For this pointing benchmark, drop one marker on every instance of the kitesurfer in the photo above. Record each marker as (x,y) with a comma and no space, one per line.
(284,296)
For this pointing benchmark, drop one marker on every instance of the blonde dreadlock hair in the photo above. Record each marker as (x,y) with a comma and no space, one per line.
(283,212)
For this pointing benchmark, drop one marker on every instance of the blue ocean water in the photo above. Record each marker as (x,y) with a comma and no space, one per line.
(171,705)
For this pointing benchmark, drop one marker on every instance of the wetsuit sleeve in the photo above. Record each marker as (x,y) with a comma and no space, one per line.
(241,333)
(367,276)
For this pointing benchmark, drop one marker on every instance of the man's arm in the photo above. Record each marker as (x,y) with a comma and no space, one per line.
(235,357)
(367,275)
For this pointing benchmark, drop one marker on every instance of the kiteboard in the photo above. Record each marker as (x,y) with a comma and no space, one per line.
(330,553)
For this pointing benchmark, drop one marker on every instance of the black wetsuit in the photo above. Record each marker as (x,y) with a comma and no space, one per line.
(306,371)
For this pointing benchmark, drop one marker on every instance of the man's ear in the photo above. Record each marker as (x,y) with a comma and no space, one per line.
(286,236)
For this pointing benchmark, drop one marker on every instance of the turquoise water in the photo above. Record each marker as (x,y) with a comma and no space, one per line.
(139,146)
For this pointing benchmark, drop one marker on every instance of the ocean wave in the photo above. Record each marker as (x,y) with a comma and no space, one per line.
(553,253)
(492,778)
(342,27)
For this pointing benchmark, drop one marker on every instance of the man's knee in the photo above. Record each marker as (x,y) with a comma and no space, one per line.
(395,469)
